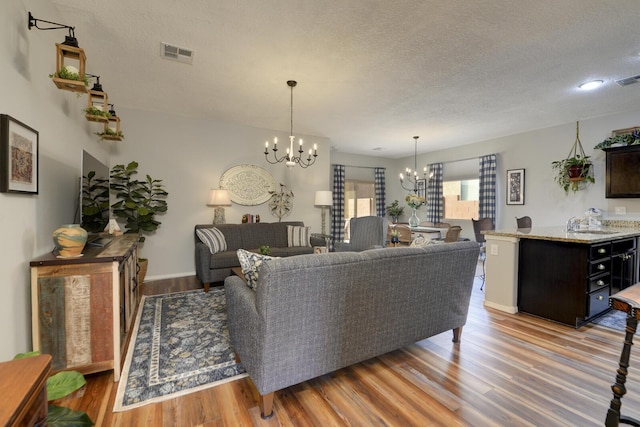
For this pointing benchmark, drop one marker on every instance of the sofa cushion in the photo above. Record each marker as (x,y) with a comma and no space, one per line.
(213,238)
(250,263)
(298,236)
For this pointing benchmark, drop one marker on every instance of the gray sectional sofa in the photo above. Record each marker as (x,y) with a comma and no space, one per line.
(215,267)
(314,314)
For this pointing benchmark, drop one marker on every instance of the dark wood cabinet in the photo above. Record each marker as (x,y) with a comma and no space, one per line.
(571,283)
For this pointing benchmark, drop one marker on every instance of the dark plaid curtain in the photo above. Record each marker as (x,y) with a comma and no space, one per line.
(488,166)
(379,188)
(435,208)
(337,210)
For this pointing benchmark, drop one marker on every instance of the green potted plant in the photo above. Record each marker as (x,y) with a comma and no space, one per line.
(61,385)
(139,201)
(625,138)
(95,203)
(394,210)
(576,168)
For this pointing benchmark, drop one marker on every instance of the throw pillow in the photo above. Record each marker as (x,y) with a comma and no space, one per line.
(250,263)
(298,236)
(213,238)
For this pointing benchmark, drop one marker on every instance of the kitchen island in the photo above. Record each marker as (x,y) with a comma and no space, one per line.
(562,276)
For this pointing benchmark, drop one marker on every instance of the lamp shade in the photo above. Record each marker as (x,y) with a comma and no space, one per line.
(219,197)
(324,198)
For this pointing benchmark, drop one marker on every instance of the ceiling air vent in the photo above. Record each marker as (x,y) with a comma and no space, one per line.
(175,53)
(628,81)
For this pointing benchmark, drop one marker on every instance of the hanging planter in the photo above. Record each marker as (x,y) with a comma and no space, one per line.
(576,168)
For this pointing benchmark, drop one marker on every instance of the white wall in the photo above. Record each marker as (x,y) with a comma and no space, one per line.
(190,156)
(27,221)
(545,202)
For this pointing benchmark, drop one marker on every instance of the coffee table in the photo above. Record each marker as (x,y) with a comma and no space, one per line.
(237,271)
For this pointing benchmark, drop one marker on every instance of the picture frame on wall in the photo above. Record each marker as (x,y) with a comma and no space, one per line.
(515,187)
(18,156)
(421,186)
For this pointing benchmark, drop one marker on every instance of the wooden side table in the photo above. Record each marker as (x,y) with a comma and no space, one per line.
(24,391)
(627,300)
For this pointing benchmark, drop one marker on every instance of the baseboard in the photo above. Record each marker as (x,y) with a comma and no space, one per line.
(168,276)
(505,308)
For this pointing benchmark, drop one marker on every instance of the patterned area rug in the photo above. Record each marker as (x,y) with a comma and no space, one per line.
(180,345)
(615,319)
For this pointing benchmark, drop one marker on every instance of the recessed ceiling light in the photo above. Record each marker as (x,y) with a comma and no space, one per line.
(591,85)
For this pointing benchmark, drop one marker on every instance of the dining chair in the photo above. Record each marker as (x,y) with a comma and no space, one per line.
(478,226)
(524,222)
(427,223)
(453,234)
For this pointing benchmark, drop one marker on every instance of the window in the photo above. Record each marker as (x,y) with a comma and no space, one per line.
(359,200)
(461,199)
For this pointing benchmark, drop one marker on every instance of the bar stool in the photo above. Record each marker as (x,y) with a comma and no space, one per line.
(627,300)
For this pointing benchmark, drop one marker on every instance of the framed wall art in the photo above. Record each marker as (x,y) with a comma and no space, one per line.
(18,157)
(421,186)
(515,187)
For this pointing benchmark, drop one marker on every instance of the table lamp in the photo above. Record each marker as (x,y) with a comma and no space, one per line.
(219,198)
(324,199)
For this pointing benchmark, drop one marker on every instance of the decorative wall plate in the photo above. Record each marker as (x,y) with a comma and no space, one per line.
(248,185)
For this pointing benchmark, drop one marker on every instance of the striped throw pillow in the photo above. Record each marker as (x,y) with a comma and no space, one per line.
(298,236)
(213,238)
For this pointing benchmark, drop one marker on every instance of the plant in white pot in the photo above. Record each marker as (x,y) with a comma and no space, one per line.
(139,201)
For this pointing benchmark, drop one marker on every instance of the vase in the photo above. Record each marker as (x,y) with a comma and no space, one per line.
(70,240)
(413,219)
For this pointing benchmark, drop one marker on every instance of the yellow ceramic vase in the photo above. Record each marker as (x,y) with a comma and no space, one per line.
(70,240)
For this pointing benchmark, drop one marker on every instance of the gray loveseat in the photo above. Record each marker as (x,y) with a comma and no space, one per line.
(314,314)
(215,267)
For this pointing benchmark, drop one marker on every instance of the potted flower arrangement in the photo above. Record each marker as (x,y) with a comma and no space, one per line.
(414,201)
(394,210)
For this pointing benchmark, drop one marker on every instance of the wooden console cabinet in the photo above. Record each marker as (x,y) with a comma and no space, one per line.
(83,308)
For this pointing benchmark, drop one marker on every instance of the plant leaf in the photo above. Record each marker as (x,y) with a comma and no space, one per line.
(60,416)
(64,383)
(24,355)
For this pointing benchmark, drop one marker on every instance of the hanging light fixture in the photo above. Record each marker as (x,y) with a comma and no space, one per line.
(412,181)
(291,159)
(67,76)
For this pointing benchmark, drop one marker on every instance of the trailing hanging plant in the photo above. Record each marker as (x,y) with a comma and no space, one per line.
(70,72)
(576,168)
(110,134)
(94,111)
(630,138)
(139,201)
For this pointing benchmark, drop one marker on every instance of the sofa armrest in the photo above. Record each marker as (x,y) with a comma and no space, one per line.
(203,262)
(245,327)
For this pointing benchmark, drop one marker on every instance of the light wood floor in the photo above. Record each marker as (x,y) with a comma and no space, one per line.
(508,370)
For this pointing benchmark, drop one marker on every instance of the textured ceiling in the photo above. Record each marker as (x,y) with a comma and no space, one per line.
(371,73)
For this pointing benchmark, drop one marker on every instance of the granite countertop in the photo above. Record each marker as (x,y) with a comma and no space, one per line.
(559,234)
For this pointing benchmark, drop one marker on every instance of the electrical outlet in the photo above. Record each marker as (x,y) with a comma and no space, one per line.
(621,210)
(494,250)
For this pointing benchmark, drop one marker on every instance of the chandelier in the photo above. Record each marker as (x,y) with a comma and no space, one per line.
(290,158)
(412,181)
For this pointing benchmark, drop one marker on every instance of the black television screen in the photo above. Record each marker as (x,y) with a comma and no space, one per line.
(623,172)
(94,194)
